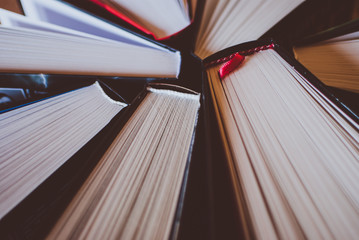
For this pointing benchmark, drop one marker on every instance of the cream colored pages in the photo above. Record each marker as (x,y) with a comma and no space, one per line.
(335,62)
(133,192)
(295,154)
(37,139)
(231,22)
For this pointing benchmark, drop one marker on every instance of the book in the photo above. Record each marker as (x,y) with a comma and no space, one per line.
(38,138)
(165,20)
(65,15)
(267,165)
(252,19)
(334,61)
(30,46)
(289,147)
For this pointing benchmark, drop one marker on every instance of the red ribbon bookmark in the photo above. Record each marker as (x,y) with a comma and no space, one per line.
(233,61)
(231,65)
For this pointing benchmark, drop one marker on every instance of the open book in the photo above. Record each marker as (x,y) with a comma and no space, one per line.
(278,153)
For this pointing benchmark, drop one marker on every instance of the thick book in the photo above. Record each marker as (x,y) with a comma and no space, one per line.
(32,46)
(39,137)
(290,145)
(274,145)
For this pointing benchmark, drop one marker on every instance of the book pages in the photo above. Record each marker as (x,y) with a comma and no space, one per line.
(38,138)
(295,155)
(133,192)
(231,22)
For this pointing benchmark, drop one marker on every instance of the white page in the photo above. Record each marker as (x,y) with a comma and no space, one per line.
(11,19)
(37,139)
(33,51)
(64,15)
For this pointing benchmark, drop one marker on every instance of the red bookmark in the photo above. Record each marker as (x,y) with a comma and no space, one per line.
(233,61)
(231,65)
